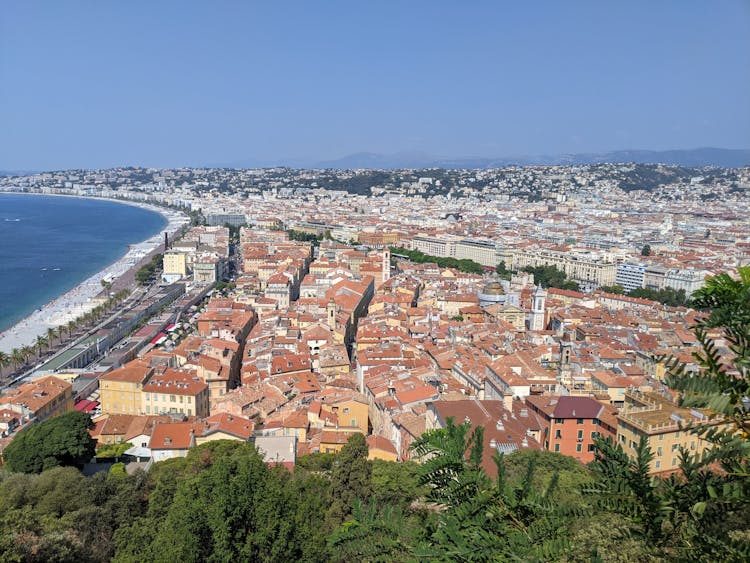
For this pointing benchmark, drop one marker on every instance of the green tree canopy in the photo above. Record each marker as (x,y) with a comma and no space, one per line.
(550,276)
(60,441)
(351,479)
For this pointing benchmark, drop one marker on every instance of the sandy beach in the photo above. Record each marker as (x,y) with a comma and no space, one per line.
(80,299)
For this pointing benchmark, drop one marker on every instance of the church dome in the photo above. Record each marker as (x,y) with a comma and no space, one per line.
(493,288)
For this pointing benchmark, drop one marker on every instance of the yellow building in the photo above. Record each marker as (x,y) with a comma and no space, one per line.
(172,391)
(120,389)
(666,426)
(379,447)
(175,264)
(351,412)
(332,440)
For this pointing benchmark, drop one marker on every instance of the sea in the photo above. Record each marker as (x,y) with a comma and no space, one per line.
(49,245)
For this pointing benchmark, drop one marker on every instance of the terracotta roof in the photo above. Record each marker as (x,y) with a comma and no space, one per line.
(174,435)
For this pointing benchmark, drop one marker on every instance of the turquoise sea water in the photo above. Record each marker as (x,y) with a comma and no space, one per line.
(48,245)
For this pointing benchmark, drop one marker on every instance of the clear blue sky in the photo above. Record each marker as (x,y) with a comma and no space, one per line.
(158,83)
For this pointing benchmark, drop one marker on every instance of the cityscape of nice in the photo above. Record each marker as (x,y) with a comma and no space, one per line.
(426,281)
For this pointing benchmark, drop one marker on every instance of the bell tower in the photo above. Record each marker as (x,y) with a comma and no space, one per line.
(538,301)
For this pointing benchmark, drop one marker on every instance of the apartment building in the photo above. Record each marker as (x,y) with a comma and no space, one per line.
(586,267)
(120,389)
(172,391)
(666,427)
(573,423)
(630,275)
(40,399)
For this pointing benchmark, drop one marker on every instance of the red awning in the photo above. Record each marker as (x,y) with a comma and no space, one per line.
(156,338)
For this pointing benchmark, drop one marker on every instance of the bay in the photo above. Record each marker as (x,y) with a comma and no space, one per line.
(49,245)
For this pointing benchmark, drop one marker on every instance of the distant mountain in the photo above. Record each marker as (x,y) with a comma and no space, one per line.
(4,173)
(726,158)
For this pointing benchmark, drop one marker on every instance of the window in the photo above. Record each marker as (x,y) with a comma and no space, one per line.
(674,461)
(579,421)
(579,447)
(557,447)
(661,437)
(172,398)
(354,422)
(622,438)
(590,448)
(657,465)
(148,409)
(190,412)
(346,410)
(558,433)
(692,445)
(182,399)
(558,420)
(594,435)
(580,434)
(658,451)
(190,400)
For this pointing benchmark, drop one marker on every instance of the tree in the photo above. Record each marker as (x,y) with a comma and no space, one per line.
(700,514)
(27,352)
(482,520)
(503,272)
(40,343)
(60,441)
(351,479)
(451,460)
(723,382)
(18,358)
(550,276)
(5,361)
(616,289)
(51,335)
(646,250)
(374,533)
(668,296)
(396,484)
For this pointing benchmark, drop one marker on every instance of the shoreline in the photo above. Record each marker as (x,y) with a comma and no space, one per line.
(82,298)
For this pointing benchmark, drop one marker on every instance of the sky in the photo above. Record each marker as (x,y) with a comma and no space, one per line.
(190,83)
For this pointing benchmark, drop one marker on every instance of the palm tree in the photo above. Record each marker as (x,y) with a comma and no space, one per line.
(72,325)
(51,335)
(27,352)
(18,357)
(40,343)
(5,361)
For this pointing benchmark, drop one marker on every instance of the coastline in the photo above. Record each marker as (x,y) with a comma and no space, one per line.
(81,299)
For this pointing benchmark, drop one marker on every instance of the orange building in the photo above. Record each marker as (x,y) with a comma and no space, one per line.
(39,399)
(573,423)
